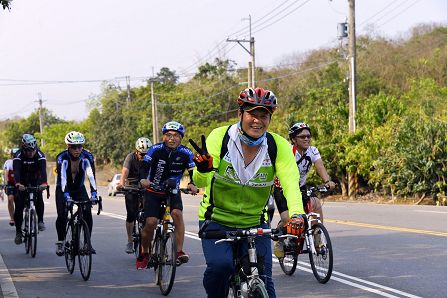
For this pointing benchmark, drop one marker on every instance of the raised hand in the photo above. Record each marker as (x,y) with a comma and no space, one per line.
(202,159)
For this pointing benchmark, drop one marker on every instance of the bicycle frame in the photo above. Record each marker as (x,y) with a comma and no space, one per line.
(241,282)
(321,256)
(139,221)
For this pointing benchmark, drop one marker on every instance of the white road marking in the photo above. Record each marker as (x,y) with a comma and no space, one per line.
(336,276)
(431,211)
(8,288)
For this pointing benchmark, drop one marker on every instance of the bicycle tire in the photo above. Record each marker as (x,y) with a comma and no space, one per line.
(168,263)
(156,254)
(288,262)
(70,246)
(26,231)
(321,261)
(258,290)
(33,233)
(136,239)
(85,250)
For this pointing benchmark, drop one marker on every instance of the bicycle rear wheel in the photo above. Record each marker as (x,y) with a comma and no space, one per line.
(84,252)
(33,232)
(70,246)
(26,229)
(168,263)
(321,258)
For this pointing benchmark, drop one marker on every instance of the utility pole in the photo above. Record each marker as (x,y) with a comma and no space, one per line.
(154,112)
(251,65)
(128,89)
(40,101)
(352,176)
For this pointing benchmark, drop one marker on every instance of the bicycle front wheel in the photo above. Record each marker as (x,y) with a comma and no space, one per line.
(70,247)
(85,250)
(33,233)
(168,263)
(136,239)
(26,229)
(321,256)
(258,290)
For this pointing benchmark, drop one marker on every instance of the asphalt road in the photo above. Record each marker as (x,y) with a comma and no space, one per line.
(379,250)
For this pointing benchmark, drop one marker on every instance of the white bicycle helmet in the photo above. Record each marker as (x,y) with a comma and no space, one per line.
(142,144)
(74,138)
(297,127)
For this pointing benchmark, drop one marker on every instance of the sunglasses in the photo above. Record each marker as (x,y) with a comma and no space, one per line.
(74,147)
(28,149)
(172,136)
(302,137)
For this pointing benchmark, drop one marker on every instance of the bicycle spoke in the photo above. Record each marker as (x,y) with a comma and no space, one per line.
(168,263)
(321,257)
(33,233)
(84,253)
(69,247)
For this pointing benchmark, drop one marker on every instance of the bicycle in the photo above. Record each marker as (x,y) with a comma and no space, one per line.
(77,237)
(139,221)
(317,241)
(246,280)
(164,245)
(30,230)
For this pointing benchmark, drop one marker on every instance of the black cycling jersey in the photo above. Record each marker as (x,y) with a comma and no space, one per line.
(161,163)
(133,165)
(86,166)
(30,171)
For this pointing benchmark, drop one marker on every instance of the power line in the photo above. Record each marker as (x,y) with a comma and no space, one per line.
(281,18)
(399,13)
(388,5)
(389,11)
(245,30)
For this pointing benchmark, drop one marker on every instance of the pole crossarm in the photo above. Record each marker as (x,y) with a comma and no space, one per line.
(239,41)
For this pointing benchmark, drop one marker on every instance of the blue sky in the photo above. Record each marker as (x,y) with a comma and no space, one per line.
(64,49)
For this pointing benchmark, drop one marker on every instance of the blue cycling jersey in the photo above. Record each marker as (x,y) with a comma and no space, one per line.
(161,163)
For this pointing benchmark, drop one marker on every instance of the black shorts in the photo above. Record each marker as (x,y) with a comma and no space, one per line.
(152,204)
(10,190)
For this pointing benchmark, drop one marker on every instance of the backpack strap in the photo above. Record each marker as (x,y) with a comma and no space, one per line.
(226,139)
(272,149)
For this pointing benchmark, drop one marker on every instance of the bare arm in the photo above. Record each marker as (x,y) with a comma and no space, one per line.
(124,174)
(321,171)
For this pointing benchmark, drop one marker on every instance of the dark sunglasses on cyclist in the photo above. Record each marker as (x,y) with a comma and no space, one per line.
(28,149)
(74,147)
(302,137)
(141,154)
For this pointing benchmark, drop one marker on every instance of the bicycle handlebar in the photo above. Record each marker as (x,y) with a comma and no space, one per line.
(131,189)
(92,201)
(237,234)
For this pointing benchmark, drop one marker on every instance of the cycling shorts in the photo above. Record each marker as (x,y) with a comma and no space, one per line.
(152,204)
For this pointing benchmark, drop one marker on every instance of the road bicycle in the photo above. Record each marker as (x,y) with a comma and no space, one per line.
(30,230)
(77,240)
(164,246)
(246,279)
(315,242)
(139,221)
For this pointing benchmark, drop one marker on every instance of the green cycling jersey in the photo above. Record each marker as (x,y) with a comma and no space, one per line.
(230,202)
